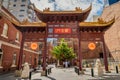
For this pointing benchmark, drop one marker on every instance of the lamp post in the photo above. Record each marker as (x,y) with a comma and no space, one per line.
(116,53)
(116,61)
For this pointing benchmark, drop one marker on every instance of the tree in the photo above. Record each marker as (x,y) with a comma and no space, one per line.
(63,51)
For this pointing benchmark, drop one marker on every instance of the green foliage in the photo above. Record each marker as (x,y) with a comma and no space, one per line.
(63,51)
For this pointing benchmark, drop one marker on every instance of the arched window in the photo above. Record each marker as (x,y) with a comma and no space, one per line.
(5,30)
(17,36)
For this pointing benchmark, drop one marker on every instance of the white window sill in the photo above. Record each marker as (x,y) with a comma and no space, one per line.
(13,65)
(4,36)
(17,41)
(1,67)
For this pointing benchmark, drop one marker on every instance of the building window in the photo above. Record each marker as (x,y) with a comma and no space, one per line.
(17,37)
(23,5)
(23,0)
(15,0)
(22,10)
(14,5)
(14,59)
(5,30)
(21,15)
(1,54)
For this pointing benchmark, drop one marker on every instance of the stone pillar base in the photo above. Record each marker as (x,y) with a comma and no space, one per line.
(108,71)
(43,73)
(98,71)
(81,72)
(18,73)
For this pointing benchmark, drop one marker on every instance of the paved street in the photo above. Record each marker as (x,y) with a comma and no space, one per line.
(59,74)
(69,74)
(64,74)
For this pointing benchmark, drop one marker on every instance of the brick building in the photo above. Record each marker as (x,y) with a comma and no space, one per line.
(10,39)
(112,35)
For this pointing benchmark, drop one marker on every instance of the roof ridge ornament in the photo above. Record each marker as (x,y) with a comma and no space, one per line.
(101,21)
(78,9)
(25,21)
(46,9)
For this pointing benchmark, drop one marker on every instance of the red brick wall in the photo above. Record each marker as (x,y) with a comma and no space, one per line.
(8,57)
(8,51)
(11,30)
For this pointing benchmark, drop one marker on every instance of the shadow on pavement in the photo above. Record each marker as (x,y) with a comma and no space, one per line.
(108,77)
(50,78)
(36,79)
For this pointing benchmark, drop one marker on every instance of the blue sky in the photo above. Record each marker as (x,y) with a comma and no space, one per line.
(97,5)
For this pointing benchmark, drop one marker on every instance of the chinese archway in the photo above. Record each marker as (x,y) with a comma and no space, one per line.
(61,24)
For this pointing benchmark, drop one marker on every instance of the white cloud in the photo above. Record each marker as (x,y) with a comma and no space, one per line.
(97,5)
(42,4)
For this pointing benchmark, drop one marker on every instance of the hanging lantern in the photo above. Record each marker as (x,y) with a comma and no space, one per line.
(34,46)
(91,46)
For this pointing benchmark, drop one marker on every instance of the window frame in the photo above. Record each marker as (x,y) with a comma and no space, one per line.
(17,37)
(5,30)
(14,56)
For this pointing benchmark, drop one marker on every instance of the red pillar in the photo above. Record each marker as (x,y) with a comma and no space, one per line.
(80,53)
(21,52)
(105,54)
(44,54)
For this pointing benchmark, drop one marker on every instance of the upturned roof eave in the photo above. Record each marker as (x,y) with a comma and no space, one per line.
(96,24)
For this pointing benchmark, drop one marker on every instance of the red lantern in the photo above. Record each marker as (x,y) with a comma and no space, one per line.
(34,46)
(91,46)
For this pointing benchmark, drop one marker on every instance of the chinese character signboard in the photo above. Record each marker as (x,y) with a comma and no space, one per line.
(62,30)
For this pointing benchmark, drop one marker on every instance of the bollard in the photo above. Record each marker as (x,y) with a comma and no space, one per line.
(92,72)
(75,69)
(78,71)
(50,70)
(30,74)
(46,72)
(117,69)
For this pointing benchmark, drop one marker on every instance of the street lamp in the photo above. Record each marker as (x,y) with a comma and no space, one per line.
(116,61)
(116,53)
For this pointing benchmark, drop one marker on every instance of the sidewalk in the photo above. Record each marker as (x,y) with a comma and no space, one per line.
(64,74)
(58,74)
(69,74)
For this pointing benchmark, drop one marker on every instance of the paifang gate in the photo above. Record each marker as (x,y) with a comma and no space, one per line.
(62,24)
